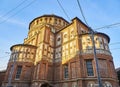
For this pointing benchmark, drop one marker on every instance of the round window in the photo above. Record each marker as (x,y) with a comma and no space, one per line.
(65,36)
(58,39)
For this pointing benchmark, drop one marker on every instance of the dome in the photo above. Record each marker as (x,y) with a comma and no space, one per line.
(53,20)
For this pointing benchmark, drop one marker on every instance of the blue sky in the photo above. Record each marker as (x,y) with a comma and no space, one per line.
(14,25)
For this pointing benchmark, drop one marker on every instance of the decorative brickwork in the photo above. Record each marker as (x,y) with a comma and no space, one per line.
(60,54)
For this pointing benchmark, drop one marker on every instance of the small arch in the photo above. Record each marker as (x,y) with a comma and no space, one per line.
(50,19)
(45,19)
(37,21)
(65,85)
(46,85)
(107,84)
(90,84)
(55,21)
(41,19)
(74,84)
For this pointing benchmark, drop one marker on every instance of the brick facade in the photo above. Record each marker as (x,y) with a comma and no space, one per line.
(2,76)
(60,54)
(118,74)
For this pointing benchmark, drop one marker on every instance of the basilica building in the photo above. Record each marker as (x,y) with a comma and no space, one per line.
(60,53)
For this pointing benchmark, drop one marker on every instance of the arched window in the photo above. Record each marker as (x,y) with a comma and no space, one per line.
(41,19)
(65,85)
(74,84)
(107,84)
(37,21)
(90,84)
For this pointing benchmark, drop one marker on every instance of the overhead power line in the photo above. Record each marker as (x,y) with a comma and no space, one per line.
(115,43)
(18,11)
(4,56)
(115,49)
(63,10)
(13,9)
(107,26)
(4,51)
(82,12)
(94,49)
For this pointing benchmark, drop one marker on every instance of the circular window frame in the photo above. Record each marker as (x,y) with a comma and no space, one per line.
(58,39)
(65,35)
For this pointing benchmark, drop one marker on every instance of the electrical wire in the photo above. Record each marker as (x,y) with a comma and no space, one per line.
(5,52)
(115,49)
(82,12)
(17,12)
(100,27)
(13,9)
(2,50)
(114,43)
(4,56)
(107,26)
(63,10)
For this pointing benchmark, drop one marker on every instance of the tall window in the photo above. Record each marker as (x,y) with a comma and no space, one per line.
(89,67)
(66,71)
(18,73)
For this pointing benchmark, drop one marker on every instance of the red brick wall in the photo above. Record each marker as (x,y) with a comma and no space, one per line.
(2,75)
(26,74)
